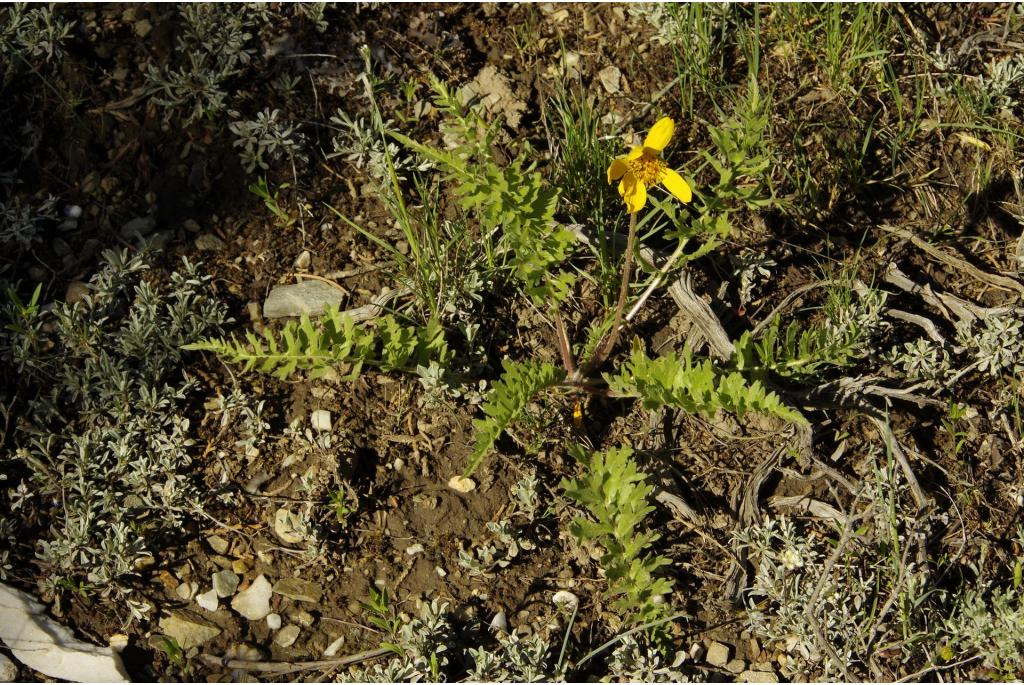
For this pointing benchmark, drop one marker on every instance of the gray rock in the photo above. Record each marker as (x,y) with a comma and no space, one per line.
(142,225)
(287,636)
(299,590)
(225,583)
(303,261)
(208,242)
(718,654)
(188,629)
(254,601)
(8,670)
(308,297)
(757,677)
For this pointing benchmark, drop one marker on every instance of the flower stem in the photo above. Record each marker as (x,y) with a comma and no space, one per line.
(605,348)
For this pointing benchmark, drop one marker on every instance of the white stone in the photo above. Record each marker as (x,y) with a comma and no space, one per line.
(413,550)
(273,621)
(566,599)
(333,648)
(321,420)
(40,643)
(208,600)
(254,601)
(461,484)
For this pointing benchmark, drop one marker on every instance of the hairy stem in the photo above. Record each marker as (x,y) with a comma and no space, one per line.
(564,347)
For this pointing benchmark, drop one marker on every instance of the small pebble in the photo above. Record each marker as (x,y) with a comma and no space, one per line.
(73,212)
(225,583)
(332,649)
(413,550)
(208,600)
(208,242)
(718,654)
(273,621)
(77,291)
(217,544)
(303,260)
(186,591)
(287,636)
(321,420)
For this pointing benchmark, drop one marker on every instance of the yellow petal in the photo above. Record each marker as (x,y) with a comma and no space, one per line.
(676,185)
(659,135)
(635,153)
(633,192)
(616,169)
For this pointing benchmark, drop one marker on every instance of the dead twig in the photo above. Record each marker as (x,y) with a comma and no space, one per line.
(283,667)
(958,263)
(922,499)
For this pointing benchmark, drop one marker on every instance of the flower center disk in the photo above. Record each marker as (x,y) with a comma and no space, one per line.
(647,168)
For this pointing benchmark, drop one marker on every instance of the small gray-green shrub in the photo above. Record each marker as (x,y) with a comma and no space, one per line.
(102,438)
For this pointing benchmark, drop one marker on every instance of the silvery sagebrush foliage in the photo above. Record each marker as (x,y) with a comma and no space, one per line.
(101,432)
(507,538)
(790,564)
(266,139)
(217,39)
(423,648)
(636,659)
(30,34)
(1004,81)
(20,222)
(997,346)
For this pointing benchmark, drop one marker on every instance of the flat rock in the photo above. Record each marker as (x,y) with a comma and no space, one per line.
(609,77)
(757,677)
(40,643)
(217,544)
(254,601)
(208,242)
(142,225)
(287,636)
(225,583)
(299,590)
(307,297)
(736,666)
(718,654)
(188,629)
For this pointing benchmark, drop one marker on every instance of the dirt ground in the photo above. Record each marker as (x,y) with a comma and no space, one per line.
(110,148)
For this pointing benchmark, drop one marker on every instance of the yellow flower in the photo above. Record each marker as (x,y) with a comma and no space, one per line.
(644,167)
